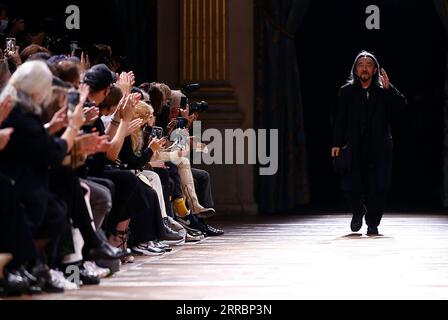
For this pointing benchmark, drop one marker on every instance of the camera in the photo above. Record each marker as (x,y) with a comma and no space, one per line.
(191,88)
(72,99)
(198,107)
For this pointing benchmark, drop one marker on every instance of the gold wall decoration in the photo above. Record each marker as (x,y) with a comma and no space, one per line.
(204,43)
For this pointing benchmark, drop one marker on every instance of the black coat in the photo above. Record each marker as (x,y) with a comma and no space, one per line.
(27,160)
(129,158)
(363,123)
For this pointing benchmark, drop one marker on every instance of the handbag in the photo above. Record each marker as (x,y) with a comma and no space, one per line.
(343,164)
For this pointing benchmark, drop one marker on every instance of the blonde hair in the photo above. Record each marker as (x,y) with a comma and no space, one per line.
(30,85)
(142,111)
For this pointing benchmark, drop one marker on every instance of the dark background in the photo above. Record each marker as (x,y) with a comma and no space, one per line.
(410,46)
(128,26)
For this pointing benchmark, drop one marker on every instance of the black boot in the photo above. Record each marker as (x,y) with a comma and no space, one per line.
(357,218)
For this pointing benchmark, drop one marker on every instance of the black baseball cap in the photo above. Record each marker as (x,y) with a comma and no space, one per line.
(99,77)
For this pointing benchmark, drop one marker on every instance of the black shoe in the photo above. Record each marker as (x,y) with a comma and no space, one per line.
(170,235)
(356,223)
(46,280)
(88,277)
(372,231)
(14,284)
(191,223)
(34,287)
(106,252)
(210,231)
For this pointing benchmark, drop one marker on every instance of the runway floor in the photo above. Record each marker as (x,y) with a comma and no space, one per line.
(293,258)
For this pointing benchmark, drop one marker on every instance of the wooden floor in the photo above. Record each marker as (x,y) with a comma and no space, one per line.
(312,257)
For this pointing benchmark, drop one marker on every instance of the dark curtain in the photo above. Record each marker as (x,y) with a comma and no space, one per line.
(442,10)
(279,102)
(138,23)
(131,28)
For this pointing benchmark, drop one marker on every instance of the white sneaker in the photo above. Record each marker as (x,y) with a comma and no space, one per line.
(101,272)
(59,278)
(173,224)
(148,249)
(194,238)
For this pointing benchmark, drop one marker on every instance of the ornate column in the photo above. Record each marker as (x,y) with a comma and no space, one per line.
(204,43)
(210,42)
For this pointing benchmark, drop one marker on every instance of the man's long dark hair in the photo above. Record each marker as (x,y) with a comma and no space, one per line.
(354,79)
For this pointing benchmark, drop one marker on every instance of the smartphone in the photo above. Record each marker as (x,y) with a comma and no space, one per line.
(10,46)
(181,123)
(73,46)
(72,100)
(157,133)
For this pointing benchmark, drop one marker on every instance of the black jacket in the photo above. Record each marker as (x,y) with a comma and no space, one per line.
(27,159)
(363,123)
(128,157)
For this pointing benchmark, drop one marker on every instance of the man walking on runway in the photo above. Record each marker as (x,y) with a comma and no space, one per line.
(363,146)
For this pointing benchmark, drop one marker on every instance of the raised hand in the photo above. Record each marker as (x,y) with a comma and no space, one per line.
(14,56)
(335,152)
(59,121)
(91,114)
(131,78)
(76,118)
(84,91)
(385,79)
(125,83)
(134,126)
(127,109)
(85,61)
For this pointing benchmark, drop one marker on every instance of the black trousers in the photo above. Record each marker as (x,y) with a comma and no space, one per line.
(125,185)
(176,184)
(15,235)
(134,201)
(168,186)
(203,187)
(373,202)
(370,197)
(146,220)
(64,182)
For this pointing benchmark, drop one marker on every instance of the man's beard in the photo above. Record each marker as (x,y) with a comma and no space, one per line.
(365,77)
